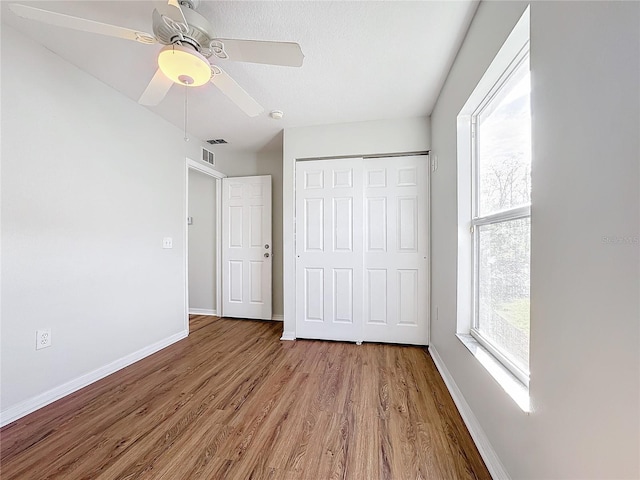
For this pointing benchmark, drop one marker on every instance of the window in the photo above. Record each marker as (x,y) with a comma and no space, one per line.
(494,209)
(501,227)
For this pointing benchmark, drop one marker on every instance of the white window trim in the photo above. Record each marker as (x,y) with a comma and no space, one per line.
(503,216)
(517,372)
(512,53)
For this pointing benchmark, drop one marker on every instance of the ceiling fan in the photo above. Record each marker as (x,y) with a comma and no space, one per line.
(189,44)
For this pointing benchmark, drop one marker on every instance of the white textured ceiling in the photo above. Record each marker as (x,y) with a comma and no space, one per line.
(363,60)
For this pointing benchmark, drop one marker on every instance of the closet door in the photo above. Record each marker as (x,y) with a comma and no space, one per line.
(396,267)
(329,209)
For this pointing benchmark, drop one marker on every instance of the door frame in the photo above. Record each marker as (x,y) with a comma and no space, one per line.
(218,176)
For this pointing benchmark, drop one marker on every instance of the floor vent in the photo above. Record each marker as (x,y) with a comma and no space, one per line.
(217,141)
(208,156)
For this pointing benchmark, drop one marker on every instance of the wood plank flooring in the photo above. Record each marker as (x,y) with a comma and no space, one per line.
(232,401)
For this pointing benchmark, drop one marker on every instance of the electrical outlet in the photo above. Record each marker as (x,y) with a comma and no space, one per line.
(43,338)
(167,242)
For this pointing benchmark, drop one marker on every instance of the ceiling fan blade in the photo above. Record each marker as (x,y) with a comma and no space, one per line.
(176,4)
(172,9)
(288,54)
(156,90)
(82,24)
(235,92)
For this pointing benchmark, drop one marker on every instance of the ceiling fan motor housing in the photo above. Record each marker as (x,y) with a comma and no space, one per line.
(199,31)
(192,4)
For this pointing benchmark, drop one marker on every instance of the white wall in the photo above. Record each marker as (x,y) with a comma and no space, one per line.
(266,162)
(202,242)
(585,365)
(325,141)
(91,183)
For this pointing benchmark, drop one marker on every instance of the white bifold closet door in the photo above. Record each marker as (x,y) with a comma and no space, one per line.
(362,249)
(329,249)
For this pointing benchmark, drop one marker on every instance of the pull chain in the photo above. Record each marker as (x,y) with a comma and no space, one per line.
(186,103)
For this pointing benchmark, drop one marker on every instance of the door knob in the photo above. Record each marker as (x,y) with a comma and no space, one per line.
(266,255)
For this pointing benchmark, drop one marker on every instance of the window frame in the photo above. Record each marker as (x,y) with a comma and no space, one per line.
(509,72)
(486,81)
(503,216)
(503,357)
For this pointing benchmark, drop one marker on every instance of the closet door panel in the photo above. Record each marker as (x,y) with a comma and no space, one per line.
(401,184)
(329,247)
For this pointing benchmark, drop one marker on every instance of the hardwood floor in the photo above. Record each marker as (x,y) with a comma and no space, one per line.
(232,401)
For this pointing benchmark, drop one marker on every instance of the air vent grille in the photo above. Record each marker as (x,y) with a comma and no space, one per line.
(217,141)
(208,157)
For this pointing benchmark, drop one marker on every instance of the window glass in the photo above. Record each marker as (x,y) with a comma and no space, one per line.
(503,287)
(503,146)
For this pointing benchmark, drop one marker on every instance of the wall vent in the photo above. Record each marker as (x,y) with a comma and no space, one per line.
(217,141)
(208,156)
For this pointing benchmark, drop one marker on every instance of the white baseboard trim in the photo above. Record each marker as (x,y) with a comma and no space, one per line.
(488,454)
(203,311)
(290,336)
(277,318)
(30,405)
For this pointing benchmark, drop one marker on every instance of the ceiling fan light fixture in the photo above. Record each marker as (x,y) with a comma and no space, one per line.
(184,66)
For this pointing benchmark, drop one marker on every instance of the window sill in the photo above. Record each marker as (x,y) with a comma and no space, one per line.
(509,383)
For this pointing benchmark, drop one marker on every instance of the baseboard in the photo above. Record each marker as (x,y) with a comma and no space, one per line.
(30,405)
(288,336)
(203,311)
(277,318)
(488,454)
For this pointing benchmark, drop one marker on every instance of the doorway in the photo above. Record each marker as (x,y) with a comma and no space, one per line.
(202,239)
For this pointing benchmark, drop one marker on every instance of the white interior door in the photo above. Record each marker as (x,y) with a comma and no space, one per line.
(329,249)
(396,267)
(246,247)
(362,268)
